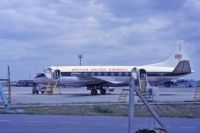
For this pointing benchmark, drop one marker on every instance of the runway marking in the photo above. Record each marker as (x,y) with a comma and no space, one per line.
(188,127)
(66,122)
(37,121)
(89,123)
(5,120)
(102,123)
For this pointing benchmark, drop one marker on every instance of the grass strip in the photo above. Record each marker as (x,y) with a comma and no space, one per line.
(168,110)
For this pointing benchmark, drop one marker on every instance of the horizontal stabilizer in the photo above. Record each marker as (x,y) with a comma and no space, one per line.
(183,67)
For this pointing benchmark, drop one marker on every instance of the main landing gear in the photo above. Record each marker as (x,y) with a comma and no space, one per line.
(103,91)
(94,90)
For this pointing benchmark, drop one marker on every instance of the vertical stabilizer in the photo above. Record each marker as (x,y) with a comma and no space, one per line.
(174,59)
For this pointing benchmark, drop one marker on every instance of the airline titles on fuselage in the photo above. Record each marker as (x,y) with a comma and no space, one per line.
(99,69)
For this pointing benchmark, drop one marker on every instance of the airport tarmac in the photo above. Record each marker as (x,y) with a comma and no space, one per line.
(23,95)
(88,124)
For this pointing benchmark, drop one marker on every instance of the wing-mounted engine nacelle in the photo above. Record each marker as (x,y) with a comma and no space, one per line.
(48,73)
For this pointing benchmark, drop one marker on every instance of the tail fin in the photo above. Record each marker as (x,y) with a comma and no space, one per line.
(175,59)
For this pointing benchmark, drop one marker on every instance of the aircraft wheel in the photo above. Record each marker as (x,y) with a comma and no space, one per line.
(103,91)
(94,92)
(167,84)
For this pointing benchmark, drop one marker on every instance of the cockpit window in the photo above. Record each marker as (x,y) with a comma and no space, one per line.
(40,75)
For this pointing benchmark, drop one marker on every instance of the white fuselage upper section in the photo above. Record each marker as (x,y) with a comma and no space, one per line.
(109,68)
(69,79)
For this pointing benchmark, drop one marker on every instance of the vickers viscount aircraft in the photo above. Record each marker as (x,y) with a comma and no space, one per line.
(101,77)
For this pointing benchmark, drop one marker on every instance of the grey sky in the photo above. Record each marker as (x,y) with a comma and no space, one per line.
(35,34)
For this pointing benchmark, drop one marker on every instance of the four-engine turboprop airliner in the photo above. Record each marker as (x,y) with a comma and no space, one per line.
(101,77)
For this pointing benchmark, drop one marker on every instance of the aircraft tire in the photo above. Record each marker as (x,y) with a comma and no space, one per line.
(167,84)
(94,92)
(103,91)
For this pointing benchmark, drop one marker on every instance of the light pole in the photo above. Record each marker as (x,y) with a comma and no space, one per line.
(80,58)
(134,77)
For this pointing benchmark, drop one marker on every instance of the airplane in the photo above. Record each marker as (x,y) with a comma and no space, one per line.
(102,77)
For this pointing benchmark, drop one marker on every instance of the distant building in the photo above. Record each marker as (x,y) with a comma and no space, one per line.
(178,83)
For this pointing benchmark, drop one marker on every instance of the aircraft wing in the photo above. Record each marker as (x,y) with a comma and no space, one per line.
(93,80)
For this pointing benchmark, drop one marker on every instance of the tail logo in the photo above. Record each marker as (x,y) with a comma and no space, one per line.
(178,56)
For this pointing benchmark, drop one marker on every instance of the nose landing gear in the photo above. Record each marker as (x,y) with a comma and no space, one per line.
(94,91)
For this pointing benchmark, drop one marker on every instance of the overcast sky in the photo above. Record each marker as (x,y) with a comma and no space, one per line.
(35,34)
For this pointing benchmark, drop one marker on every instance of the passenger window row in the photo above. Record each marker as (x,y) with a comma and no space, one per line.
(98,73)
